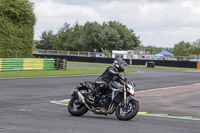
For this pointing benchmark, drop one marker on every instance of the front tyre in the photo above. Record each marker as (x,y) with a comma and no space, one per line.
(75,108)
(127,113)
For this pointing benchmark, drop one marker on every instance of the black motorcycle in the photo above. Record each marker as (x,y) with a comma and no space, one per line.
(119,98)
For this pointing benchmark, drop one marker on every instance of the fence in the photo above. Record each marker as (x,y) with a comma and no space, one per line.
(60,64)
(71,53)
(115,55)
(7,64)
(167,63)
(183,64)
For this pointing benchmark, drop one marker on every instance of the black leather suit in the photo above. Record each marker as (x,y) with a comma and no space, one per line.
(110,74)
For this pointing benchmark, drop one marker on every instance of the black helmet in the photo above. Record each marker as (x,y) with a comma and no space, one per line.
(119,64)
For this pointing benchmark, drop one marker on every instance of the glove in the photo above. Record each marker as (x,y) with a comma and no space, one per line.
(125,79)
(117,73)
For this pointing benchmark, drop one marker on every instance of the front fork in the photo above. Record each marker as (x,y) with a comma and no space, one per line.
(125,94)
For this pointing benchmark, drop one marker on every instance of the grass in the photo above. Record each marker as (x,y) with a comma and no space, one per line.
(64,101)
(71,70)
(89,63)
(137,66)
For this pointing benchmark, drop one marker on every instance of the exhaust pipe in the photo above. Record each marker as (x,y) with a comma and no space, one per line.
(80,98)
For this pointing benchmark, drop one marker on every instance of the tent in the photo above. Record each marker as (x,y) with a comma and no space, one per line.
(165,53)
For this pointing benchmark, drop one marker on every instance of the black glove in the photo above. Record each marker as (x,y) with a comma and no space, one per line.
(125,79)
(117,73)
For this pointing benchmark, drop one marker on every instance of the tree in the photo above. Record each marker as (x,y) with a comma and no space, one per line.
(127,36)
(110,38)
(16,28)
(91,36)
(77,38)
(182,49)
(195,48)
(47,40)
(63,37)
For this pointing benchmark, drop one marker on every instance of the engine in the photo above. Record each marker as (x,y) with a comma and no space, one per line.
(103,101)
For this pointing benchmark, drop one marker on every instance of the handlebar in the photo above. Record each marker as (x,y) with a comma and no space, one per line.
(122,79)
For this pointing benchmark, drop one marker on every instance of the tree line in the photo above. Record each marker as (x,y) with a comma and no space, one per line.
(109,36)
(92,35)
(186,48)
(180,49)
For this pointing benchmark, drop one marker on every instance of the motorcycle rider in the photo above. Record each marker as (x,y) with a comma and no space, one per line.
(110,74)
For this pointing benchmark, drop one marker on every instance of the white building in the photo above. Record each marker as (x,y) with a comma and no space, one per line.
(119,54)
(129,54)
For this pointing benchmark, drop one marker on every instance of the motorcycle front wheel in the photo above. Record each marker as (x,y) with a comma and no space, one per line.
(127,113)
(75,108)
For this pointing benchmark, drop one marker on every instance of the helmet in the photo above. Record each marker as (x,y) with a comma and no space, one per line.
(119,64)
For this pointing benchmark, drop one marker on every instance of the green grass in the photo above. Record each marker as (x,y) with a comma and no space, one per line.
(137,66)
(71,70)
(89,63)
(64,101)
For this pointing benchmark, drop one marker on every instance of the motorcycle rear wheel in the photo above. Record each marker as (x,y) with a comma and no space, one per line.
(75,108)
(128,113)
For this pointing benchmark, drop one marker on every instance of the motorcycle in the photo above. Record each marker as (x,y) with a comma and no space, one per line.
(119,98)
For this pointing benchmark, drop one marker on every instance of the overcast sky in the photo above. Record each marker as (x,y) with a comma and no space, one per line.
(160,23)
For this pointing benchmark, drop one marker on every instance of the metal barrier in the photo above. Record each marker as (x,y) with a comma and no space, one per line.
(71,53)
(9,64)
(183,64)
(116,55)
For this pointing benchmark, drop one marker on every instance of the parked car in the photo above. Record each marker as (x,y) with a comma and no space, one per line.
(97,54)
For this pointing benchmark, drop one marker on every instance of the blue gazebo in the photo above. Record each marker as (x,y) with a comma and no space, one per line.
(165,53)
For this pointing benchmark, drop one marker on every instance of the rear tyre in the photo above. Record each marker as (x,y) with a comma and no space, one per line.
(127,113)
(75,108)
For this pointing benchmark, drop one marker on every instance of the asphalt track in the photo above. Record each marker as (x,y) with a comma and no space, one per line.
(25,106)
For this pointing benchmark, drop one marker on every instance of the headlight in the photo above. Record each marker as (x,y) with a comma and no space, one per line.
(131,89)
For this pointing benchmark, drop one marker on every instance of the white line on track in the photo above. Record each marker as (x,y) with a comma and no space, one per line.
(165,88)
(173,117)
(56,102)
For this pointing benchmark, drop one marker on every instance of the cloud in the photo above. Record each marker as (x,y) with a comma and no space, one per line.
(52,16)
(170,37)
(155,21)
